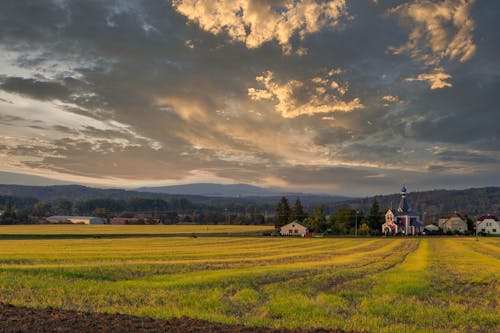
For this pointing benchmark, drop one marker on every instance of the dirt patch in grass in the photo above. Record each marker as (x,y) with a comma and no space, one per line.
(24,319)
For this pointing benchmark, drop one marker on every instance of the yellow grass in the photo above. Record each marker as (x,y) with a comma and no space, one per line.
(82,229)
(379,284)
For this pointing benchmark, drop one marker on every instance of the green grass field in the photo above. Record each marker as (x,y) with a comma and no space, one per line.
(379,284)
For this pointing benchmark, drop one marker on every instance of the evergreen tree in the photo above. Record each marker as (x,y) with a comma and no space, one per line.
(375,217)
(298,212)
(283,213)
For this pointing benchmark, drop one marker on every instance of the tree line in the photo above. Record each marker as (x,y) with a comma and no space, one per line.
(341,222)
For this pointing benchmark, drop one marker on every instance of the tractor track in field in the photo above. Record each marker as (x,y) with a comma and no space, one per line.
(24,319)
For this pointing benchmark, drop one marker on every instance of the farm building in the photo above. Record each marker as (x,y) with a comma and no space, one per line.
(454,223)
(402,220)
(488,224)
(76,219)
(294,228)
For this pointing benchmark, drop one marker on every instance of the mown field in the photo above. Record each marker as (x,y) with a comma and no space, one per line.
(379,284)
(106,229)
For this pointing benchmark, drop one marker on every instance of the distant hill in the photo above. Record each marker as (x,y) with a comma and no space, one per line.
(217,190)
(239,193)
(73,192)
(474,201)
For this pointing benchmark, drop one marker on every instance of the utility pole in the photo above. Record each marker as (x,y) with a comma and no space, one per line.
(477,239)
(356,227)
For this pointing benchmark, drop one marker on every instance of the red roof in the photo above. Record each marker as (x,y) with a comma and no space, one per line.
(487,217)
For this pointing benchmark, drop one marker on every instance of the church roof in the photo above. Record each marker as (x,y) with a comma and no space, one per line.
(403,204)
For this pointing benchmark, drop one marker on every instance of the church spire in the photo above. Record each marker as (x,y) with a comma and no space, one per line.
(403,204)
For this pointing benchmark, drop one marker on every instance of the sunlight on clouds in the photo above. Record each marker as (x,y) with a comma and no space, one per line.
(437,79)
(390,98)
(295,98)
(439,31)
(256,22)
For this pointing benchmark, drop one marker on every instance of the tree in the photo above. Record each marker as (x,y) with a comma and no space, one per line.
(7,216)
(364,229)
(317,221)
(375,217)
(101,212)
(64,207)
(283,213)
(297,212)
(344,220)
(41,209)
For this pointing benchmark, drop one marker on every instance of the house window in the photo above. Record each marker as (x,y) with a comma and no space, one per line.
(296,231)
(483,230)
(494,230)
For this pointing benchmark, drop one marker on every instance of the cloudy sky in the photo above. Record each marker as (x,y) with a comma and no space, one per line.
(352,97)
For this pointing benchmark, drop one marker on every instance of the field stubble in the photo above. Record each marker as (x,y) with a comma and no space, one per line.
(381,285)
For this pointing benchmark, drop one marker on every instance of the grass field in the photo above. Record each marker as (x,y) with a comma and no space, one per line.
(124,230)
(379,284)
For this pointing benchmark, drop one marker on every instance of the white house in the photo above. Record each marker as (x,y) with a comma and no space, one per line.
(76,219)
(294,228)
(488,224)
(454,223)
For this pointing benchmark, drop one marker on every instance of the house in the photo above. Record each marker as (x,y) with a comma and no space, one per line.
(76,219)
(488,224)
(402,220)
(294,228)
(453,223)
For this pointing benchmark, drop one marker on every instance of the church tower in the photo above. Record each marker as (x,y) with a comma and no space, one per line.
(403,203)
(402,220)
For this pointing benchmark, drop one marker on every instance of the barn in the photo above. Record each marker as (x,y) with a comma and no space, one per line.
(76,219)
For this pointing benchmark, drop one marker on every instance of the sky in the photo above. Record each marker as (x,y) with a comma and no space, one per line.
(349,97)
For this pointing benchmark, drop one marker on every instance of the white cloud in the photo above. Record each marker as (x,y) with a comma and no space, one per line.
(295,98)
(255,22)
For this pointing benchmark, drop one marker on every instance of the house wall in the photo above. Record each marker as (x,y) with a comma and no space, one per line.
(454,223)
(489,226)
(293,229)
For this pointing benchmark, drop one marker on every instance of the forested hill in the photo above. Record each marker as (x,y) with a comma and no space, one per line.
(75,193)
(474,201)
(78,193)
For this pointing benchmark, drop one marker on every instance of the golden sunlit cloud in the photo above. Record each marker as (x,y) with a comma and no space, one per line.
(296,98)
(437,80)
(256,22)
(439,30)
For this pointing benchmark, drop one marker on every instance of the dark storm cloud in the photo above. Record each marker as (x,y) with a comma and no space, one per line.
(41,90)
(173,98)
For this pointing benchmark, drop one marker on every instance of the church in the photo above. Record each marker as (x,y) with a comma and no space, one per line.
(402,220)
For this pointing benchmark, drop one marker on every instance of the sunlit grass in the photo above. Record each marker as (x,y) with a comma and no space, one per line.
(94,229)
(378,284)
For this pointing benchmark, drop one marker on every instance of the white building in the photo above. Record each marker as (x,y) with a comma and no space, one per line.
(454,223)
(488,224)
(294,228)
(76,219)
